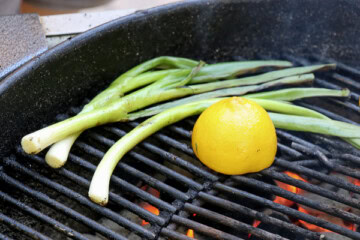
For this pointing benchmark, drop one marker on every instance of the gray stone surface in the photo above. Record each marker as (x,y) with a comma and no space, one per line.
(21,39)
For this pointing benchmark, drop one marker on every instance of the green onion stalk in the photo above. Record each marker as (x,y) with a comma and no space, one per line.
(140,76)
(289,117)
(158,91)
(289,94)
(116,111)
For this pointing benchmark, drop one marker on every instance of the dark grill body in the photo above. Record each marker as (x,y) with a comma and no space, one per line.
(42,203)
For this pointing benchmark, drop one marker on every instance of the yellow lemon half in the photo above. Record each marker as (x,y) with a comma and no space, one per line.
(235,136)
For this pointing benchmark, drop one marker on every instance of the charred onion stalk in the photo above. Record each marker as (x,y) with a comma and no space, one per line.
(288,116)
(139,77)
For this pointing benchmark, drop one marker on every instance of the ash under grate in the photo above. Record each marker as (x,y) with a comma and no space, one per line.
(43,203)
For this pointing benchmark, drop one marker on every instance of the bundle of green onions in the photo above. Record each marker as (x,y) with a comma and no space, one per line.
(165,78)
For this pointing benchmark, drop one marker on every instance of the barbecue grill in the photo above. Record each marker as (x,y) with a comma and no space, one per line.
(311,192)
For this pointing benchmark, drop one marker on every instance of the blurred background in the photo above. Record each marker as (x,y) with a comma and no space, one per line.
(51,7)
(30,27)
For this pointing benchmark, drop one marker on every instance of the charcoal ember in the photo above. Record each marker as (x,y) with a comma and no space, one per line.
(334,236)
(356,211)
(330,219)
(331,203)
(117,228)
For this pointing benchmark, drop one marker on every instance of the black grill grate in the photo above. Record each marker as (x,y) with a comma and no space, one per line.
(39,201)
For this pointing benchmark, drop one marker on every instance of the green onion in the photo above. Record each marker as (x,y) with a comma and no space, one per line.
(116,111)
(137,77)
(286,108)
(315,125)
(298,93)
(285,95)
(161,90)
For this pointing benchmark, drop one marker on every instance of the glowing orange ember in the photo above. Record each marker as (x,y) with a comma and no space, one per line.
(148,206)
(255,224)
(354,181)
(190,233)
(154,210)
(151,209)
(151,190)
(310,226)
(289,188)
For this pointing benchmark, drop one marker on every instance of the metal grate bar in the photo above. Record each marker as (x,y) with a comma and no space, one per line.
(174,143)
(289,151)
(328,113)
(293,138)
(298,198)
(80,198)
(320,176)
(126,186)
(351,152)
(339,65)
(232,223)
(180,162)
(311,188)
(231,206)
(288,211)
(68,211)
(144,214)
(169,141)
(3,237)
(326,84)
(169,157)
(48,220)
(314,152)
(330,161)
(174,235)
(168,172)
(348,68)
(145,177)
(179,130)
(348,105)
(201,228)
(346,80)
(346,170)
(307,162)
(159,167)
(351,158)
(155,183)
(22,228)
